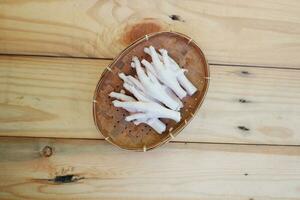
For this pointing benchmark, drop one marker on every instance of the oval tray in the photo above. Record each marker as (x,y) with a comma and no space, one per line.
(110,121)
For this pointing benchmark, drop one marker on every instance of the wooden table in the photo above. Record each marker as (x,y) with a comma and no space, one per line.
(242,145)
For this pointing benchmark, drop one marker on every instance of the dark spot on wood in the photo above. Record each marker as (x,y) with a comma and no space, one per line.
(245,72)
(244,101)
(243,128)
(246,174)
(251,199)
(47,151)
(176,18)
(66,179)
(138,30)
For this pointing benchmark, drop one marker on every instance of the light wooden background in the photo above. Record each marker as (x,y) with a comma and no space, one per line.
(244,144)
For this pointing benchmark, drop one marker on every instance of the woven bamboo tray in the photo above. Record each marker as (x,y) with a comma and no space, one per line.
(110,121)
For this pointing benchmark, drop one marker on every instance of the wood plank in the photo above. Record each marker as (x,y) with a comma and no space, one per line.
(258,32)
(52,97)
(175,171)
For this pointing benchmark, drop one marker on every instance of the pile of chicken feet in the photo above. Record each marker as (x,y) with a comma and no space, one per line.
(158,89)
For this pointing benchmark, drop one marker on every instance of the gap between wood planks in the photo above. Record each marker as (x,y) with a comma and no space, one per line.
(175,142)
(95,58)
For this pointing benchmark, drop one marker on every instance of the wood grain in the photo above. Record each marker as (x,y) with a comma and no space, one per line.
(90,169)
(52,97)
(258,32)
(48,97)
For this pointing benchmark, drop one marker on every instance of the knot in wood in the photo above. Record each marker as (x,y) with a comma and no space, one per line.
(47,151)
